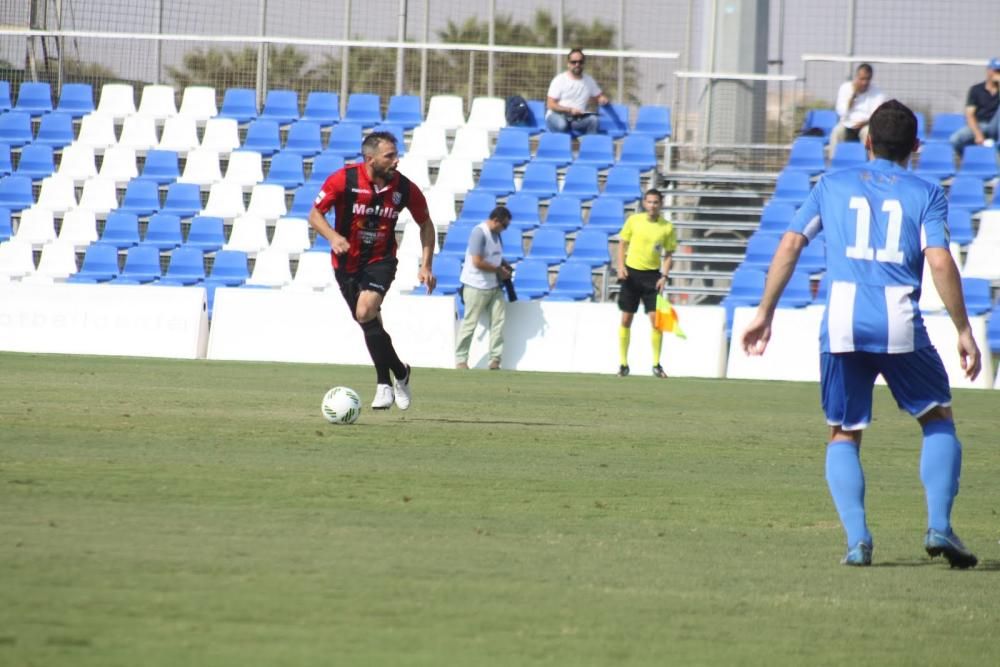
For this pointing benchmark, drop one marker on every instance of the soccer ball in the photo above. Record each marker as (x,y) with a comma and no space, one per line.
(341,405)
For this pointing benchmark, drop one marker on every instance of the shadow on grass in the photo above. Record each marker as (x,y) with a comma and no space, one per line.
(985,565)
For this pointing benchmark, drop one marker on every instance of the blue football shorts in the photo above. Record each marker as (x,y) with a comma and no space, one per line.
(916,379)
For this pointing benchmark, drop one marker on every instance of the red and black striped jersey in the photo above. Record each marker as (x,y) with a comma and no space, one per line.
(366,215)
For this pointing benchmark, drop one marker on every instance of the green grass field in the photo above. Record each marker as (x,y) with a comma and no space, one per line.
(200,513)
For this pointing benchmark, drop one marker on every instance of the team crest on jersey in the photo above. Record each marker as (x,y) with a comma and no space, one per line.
(397,197)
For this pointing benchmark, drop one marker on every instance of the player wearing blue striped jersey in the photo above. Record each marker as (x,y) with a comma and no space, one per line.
(880,223)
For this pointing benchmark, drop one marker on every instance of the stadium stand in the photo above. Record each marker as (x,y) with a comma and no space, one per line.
(291,235)
(574,282)
(455,175)
(446,112)
(653,121)
(937,161)
(37,161)
(98,195)
(591,247)
(182,200)
(160,167)
(15,128)
(139,134)
(428,142)
(117,101)
(363,109)
(34,98)
(249,235)
(15,193)
(56,130)
(56,263)
(405,111)
(548,244)
(540,178)
(512,145)
(612,120)
(607,213)
(580,181)
(945,124)
(286,170)
(638,151)
(36,228)
(267,200)
(281,106)
(967,191)
(496,177)
(848,154)
(448,269)
(523,207)
(5,99)
(6,163)
(221,135)
(121,230)
(206,234)
(960,225)
(141,198)
(345,140)
(472,143)
(596,150)
(240,104)
(792,187)
(322,107)
(563,213)
(198,102)
(225,200)
(304,138)
(180,134)
(79,227)
(119,165)
(821,122)
(244,169)
(263,136)
(142,265)
(487,113)
(157,102)
(57,193)
(163,232)
(186,267)
(97,130)
(979,161)
(100,264)
(623,182)
(16,259)
(531,279)
(807,155)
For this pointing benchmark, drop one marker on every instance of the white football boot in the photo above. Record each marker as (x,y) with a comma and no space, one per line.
(402,388)
(383,397)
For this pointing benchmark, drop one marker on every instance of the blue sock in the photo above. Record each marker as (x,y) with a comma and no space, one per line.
(940,468)
(846,480)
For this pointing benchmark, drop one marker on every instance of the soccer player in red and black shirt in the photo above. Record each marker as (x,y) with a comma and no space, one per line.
(367,199)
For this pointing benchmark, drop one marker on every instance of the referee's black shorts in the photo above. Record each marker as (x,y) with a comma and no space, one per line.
(639,286)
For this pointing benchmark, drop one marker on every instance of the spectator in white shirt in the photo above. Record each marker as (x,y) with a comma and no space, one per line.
(857,99)
(570,97)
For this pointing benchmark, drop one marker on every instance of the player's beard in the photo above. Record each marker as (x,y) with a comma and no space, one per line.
(384,174)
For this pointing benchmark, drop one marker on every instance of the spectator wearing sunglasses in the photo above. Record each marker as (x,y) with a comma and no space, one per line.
(572,94)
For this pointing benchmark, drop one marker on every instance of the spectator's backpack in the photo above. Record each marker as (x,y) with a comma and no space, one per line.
(517,111)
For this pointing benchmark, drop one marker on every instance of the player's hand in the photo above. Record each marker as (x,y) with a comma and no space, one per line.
(339,244)
(504,272)
(756,336)
(427,278)
(622,274)
(968,353)
(661,283)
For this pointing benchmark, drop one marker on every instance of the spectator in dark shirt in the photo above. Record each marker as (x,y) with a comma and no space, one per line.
(981,117)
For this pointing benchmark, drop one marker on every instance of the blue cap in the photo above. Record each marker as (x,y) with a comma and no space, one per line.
(995,64)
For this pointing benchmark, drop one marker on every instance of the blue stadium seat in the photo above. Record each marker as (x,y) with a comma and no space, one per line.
(921,126)
(183,200)
(821,120)
(15,192)
(323,165)
(639,151)
(531,279)
(345,140)
(363,109)
(302,202)
(512,145)
(979,161)
(405,111)
(993,329)
(960,225)
(100,264)
(591,246)
(186,267)
(239,104)
(496,177)
(206,234)
(945,124)
(5,103)
(523,208)
(813,257)
(34,98)
(607,213)
(263,136)
(967,192)
(229,268)
(580,181)
(612,120)
(653,121)
(548,244)
(322,107)
(848,154)
(476,207)
(596,150)
(161,167)
(286,169)
(6,164)
(76,99)
(281,106)
(623,182)
(554,147)
(798,292)
(121,230)
(775,217)
(746,290)
(142,265)
(540,179)
(163,232)
(978,295)
(6,229)
(15,128)
(37,162)
(937,161)
(304,138)
(397,131)
(760,250)
(792,187)
(447,270)
(807,155)
(142,198)
(537,124)
(564,214)
(574,282)
(456,240)
(56,130)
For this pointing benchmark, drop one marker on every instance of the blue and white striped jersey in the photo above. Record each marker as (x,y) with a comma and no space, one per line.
(877,219)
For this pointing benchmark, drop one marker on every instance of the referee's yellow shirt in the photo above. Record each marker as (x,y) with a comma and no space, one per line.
(648,240)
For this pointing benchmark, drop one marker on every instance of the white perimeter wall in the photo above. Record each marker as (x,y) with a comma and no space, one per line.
(315,327)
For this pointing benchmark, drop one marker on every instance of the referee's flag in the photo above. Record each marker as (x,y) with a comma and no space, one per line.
(666,317)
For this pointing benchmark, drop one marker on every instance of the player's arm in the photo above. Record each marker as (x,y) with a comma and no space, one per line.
(757,335)
(332,187)
(949,287)
(622,269)
(428,237)
(661,282)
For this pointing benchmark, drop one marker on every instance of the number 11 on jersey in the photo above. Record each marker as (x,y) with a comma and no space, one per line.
(863,219)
